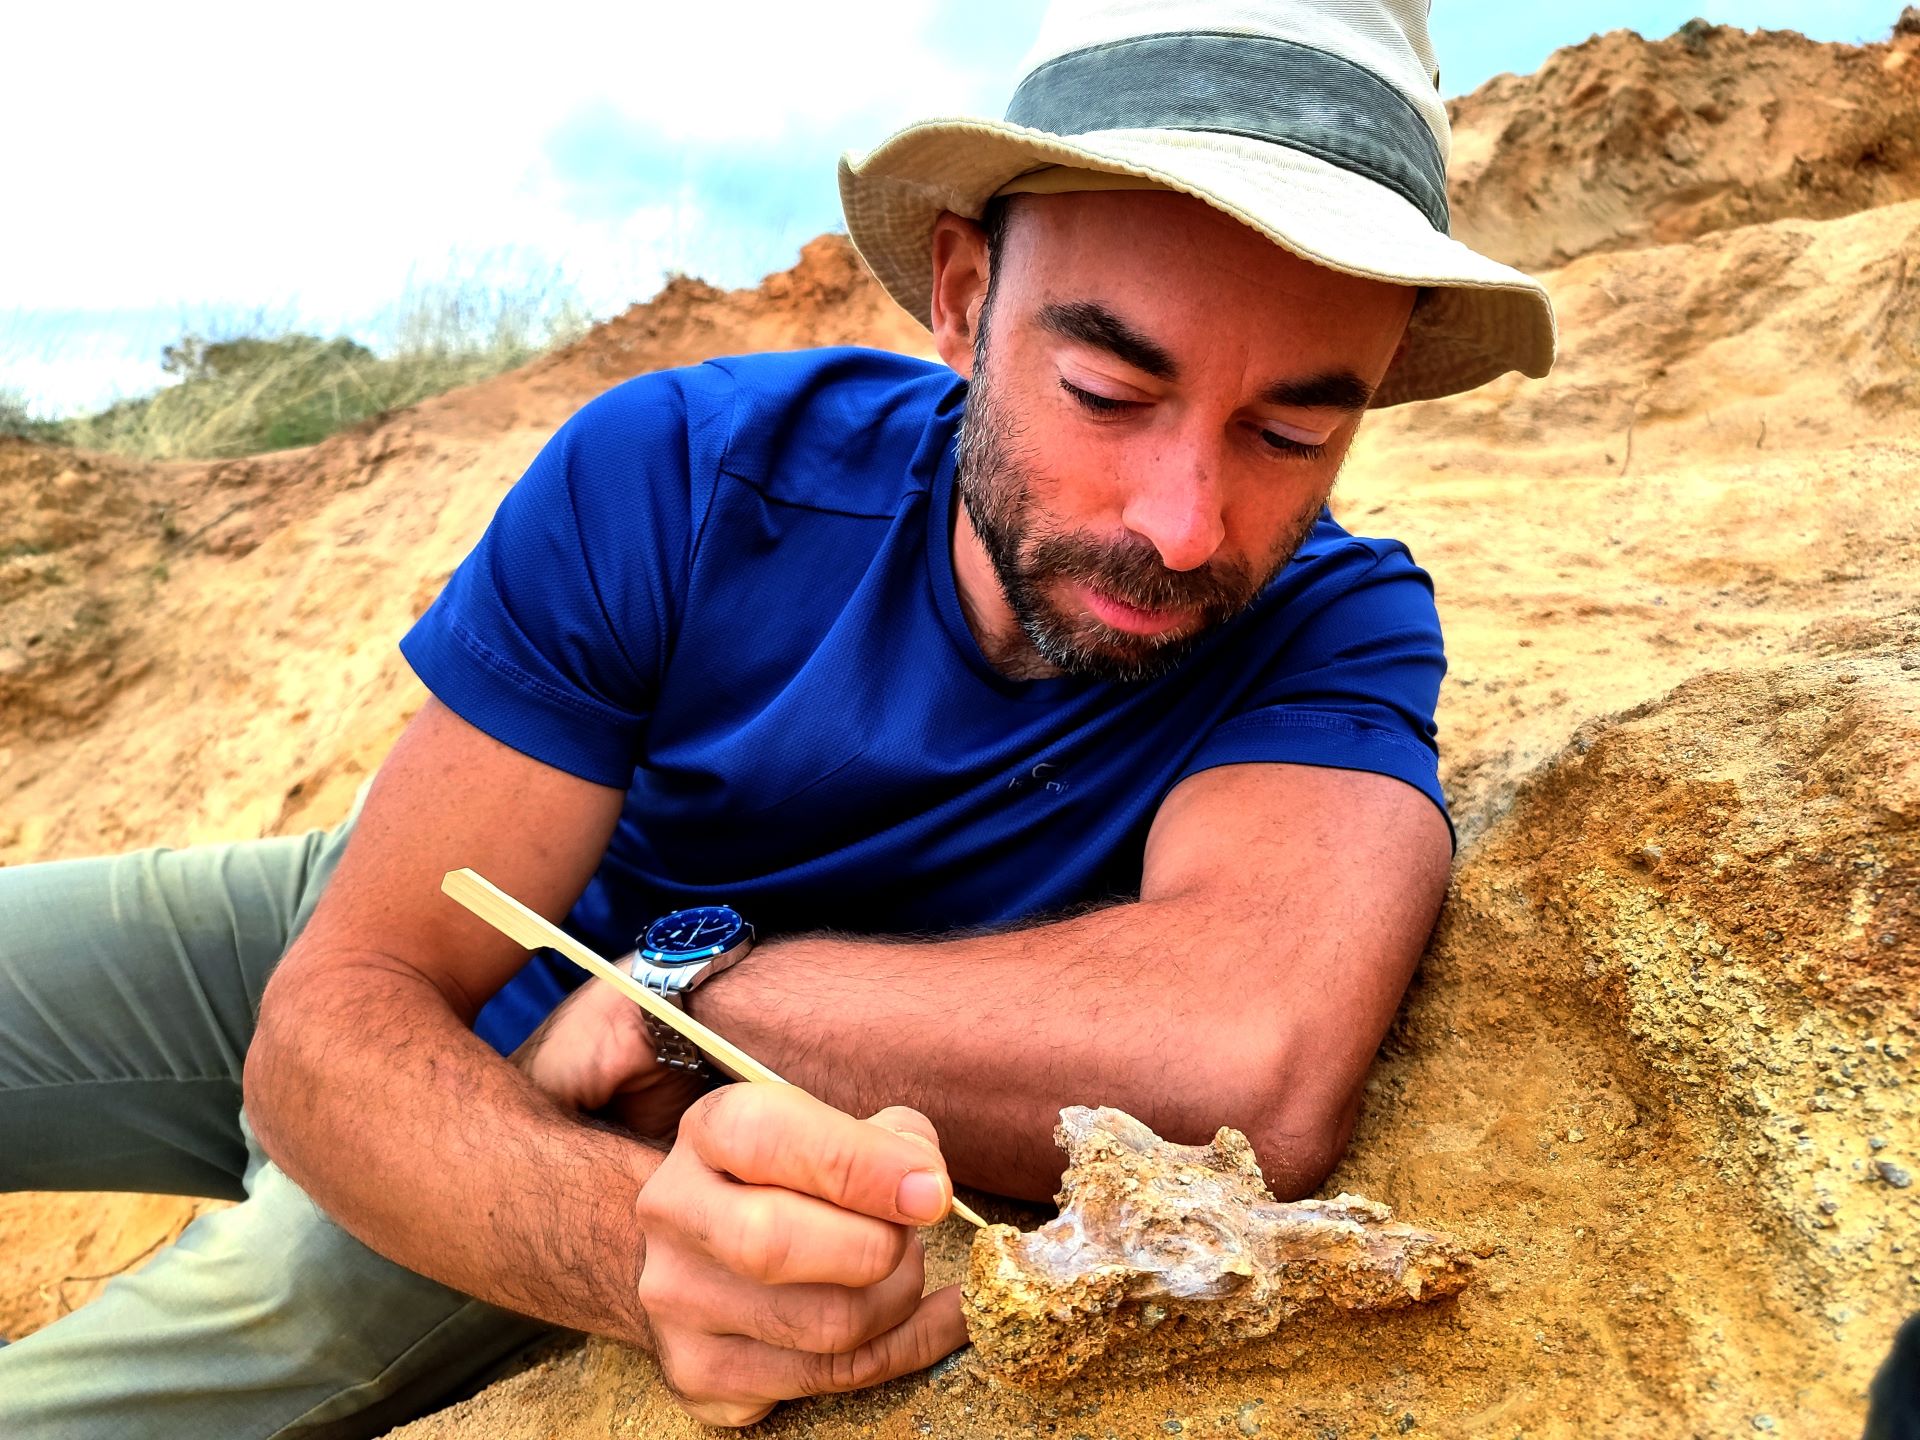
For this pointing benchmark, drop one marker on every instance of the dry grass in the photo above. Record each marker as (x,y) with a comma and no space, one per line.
(247,387)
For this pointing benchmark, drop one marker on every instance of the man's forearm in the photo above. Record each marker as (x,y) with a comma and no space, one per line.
(1135,1005)
(366,1088)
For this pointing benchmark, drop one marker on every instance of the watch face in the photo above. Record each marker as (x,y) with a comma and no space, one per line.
(689,935)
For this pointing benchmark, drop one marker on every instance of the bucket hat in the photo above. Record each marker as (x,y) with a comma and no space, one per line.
(1318,123)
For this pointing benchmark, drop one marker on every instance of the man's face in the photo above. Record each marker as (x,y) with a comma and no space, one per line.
(1160,401)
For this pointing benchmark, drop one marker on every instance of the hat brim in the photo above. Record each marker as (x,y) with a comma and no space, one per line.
(1482,320)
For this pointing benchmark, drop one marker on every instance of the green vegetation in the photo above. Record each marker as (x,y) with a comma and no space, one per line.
(259,388)
(17,420)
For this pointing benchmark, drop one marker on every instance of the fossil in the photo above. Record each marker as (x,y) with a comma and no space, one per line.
(1164,1252)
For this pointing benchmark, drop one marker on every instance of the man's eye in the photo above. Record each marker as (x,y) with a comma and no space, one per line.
(1099,404)
(1286,445)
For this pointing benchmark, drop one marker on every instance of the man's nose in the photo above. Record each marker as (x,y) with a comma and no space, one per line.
(1179,508)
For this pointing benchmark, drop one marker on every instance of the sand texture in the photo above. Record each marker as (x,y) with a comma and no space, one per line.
(1657,1071)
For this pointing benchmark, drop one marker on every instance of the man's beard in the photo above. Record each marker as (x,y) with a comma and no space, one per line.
(995,482)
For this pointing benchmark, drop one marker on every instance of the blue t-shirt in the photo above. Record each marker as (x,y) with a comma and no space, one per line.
(729,591)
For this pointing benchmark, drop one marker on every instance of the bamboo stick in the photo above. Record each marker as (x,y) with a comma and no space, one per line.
(512,919)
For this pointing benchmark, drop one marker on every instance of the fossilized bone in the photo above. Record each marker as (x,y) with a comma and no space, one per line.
(1163,1252)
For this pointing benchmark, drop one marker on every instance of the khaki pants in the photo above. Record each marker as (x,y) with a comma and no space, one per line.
(128,989)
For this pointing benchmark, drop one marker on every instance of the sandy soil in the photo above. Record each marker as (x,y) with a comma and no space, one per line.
(1617,143)
(1673,999)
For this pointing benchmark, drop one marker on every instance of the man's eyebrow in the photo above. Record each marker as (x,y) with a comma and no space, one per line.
(1330,390)
(1099,327)
(1095,325)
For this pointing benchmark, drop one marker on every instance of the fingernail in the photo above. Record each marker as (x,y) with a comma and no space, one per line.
(923,1196)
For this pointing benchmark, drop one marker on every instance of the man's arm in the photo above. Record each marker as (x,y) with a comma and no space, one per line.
(1281,914)
(365,1083)
(770,1253)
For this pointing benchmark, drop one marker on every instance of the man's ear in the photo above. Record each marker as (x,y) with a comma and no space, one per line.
(959,288)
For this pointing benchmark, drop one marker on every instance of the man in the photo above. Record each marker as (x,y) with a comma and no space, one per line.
(1064,673)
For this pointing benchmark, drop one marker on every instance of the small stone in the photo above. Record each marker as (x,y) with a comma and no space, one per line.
(1574,1137)
(947,1365)
(1893,1174)
(1828,1207)
(1764,1422)
(1172,1427)
(1876,1142)
(1407,1422)
(1247,1423)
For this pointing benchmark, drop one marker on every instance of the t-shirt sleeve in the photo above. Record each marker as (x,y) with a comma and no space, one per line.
(1355,685)
(551,633)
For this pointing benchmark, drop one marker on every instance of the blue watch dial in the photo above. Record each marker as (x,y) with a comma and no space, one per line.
(689,935)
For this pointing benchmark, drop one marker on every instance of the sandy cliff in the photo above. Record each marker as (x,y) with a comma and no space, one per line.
(1617,143)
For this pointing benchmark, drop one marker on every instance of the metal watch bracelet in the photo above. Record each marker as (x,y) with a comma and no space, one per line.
(674,1049)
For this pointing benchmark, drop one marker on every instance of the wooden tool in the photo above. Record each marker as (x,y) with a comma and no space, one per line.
(511,918)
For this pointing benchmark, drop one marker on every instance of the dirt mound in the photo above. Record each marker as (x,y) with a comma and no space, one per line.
(1622,142)
(1713,464)
(1796,334)
(1654,1071)
(73,530)
(828,298)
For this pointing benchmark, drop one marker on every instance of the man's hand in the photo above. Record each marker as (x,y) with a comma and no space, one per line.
(781,1258)
(594,1054)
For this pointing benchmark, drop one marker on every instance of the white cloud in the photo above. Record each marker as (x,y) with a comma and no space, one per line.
(224,155)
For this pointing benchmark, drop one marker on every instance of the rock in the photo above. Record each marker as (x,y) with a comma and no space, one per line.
(1893,1174)
(1163,1253)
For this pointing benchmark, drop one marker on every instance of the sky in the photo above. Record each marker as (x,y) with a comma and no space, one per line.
(206,166)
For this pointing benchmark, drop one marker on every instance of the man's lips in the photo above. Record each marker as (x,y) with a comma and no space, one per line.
(1130,618)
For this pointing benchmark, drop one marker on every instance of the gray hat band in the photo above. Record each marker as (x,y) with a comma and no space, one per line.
(1257,86)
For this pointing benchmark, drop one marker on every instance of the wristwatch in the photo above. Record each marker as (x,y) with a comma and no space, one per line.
(678,952)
